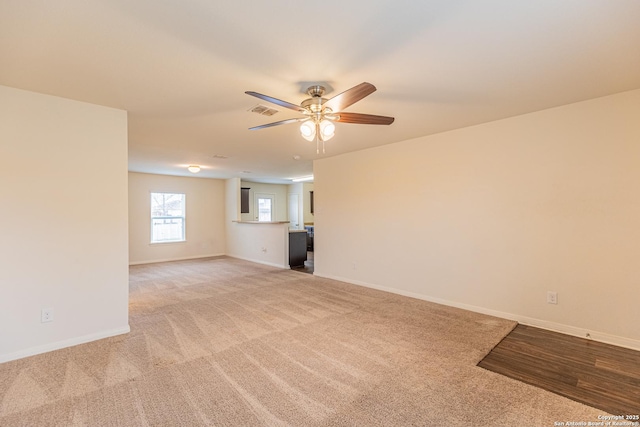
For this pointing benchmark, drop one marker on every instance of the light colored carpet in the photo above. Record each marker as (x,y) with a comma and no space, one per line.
(227,342)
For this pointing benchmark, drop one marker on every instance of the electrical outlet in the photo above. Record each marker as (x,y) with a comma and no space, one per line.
(46,315)
(552,297)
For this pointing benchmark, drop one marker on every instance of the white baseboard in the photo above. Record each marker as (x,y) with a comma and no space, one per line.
(538,323)
(154,261)
(62,344)
(257,261)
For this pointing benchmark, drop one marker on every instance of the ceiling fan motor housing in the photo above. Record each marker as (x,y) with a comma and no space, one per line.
(316,90)
(314,104)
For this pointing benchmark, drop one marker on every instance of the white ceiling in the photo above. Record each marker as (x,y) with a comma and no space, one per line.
(180,68)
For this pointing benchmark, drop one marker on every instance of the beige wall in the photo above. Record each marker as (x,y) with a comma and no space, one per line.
(63,187)
(205,210)
(493,216)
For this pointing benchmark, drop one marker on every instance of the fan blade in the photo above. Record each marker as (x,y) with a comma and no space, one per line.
(277,101)
(363,119)
(281,122)
(350,96)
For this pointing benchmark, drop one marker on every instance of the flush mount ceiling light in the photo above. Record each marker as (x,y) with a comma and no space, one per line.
(320,113)
(194,169)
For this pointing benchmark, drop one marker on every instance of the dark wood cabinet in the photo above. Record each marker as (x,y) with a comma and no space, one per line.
(244,200)
(309,229)
(297,248)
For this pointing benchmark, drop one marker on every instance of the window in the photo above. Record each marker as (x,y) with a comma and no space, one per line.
(265,208)
(167,217)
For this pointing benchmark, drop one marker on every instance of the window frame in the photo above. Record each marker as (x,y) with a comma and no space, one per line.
(182,217)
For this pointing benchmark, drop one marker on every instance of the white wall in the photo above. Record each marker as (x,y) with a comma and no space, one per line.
(262,243)
(279,191)
(493,216)
(204,223)
(232,201)
(63,187)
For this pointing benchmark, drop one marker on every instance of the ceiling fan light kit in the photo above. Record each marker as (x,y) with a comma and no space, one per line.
(308,130)
(321,113)
(327,129)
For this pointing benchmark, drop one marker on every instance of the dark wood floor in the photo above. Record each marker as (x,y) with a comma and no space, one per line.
(599,375)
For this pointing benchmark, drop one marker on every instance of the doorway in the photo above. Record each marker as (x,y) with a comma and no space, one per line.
(294,211)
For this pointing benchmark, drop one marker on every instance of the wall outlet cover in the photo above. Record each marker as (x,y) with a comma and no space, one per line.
(46,315)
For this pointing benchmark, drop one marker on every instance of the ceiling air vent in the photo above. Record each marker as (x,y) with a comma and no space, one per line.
(263,110)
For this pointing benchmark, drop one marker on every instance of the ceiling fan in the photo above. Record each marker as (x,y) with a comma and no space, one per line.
(320,113)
